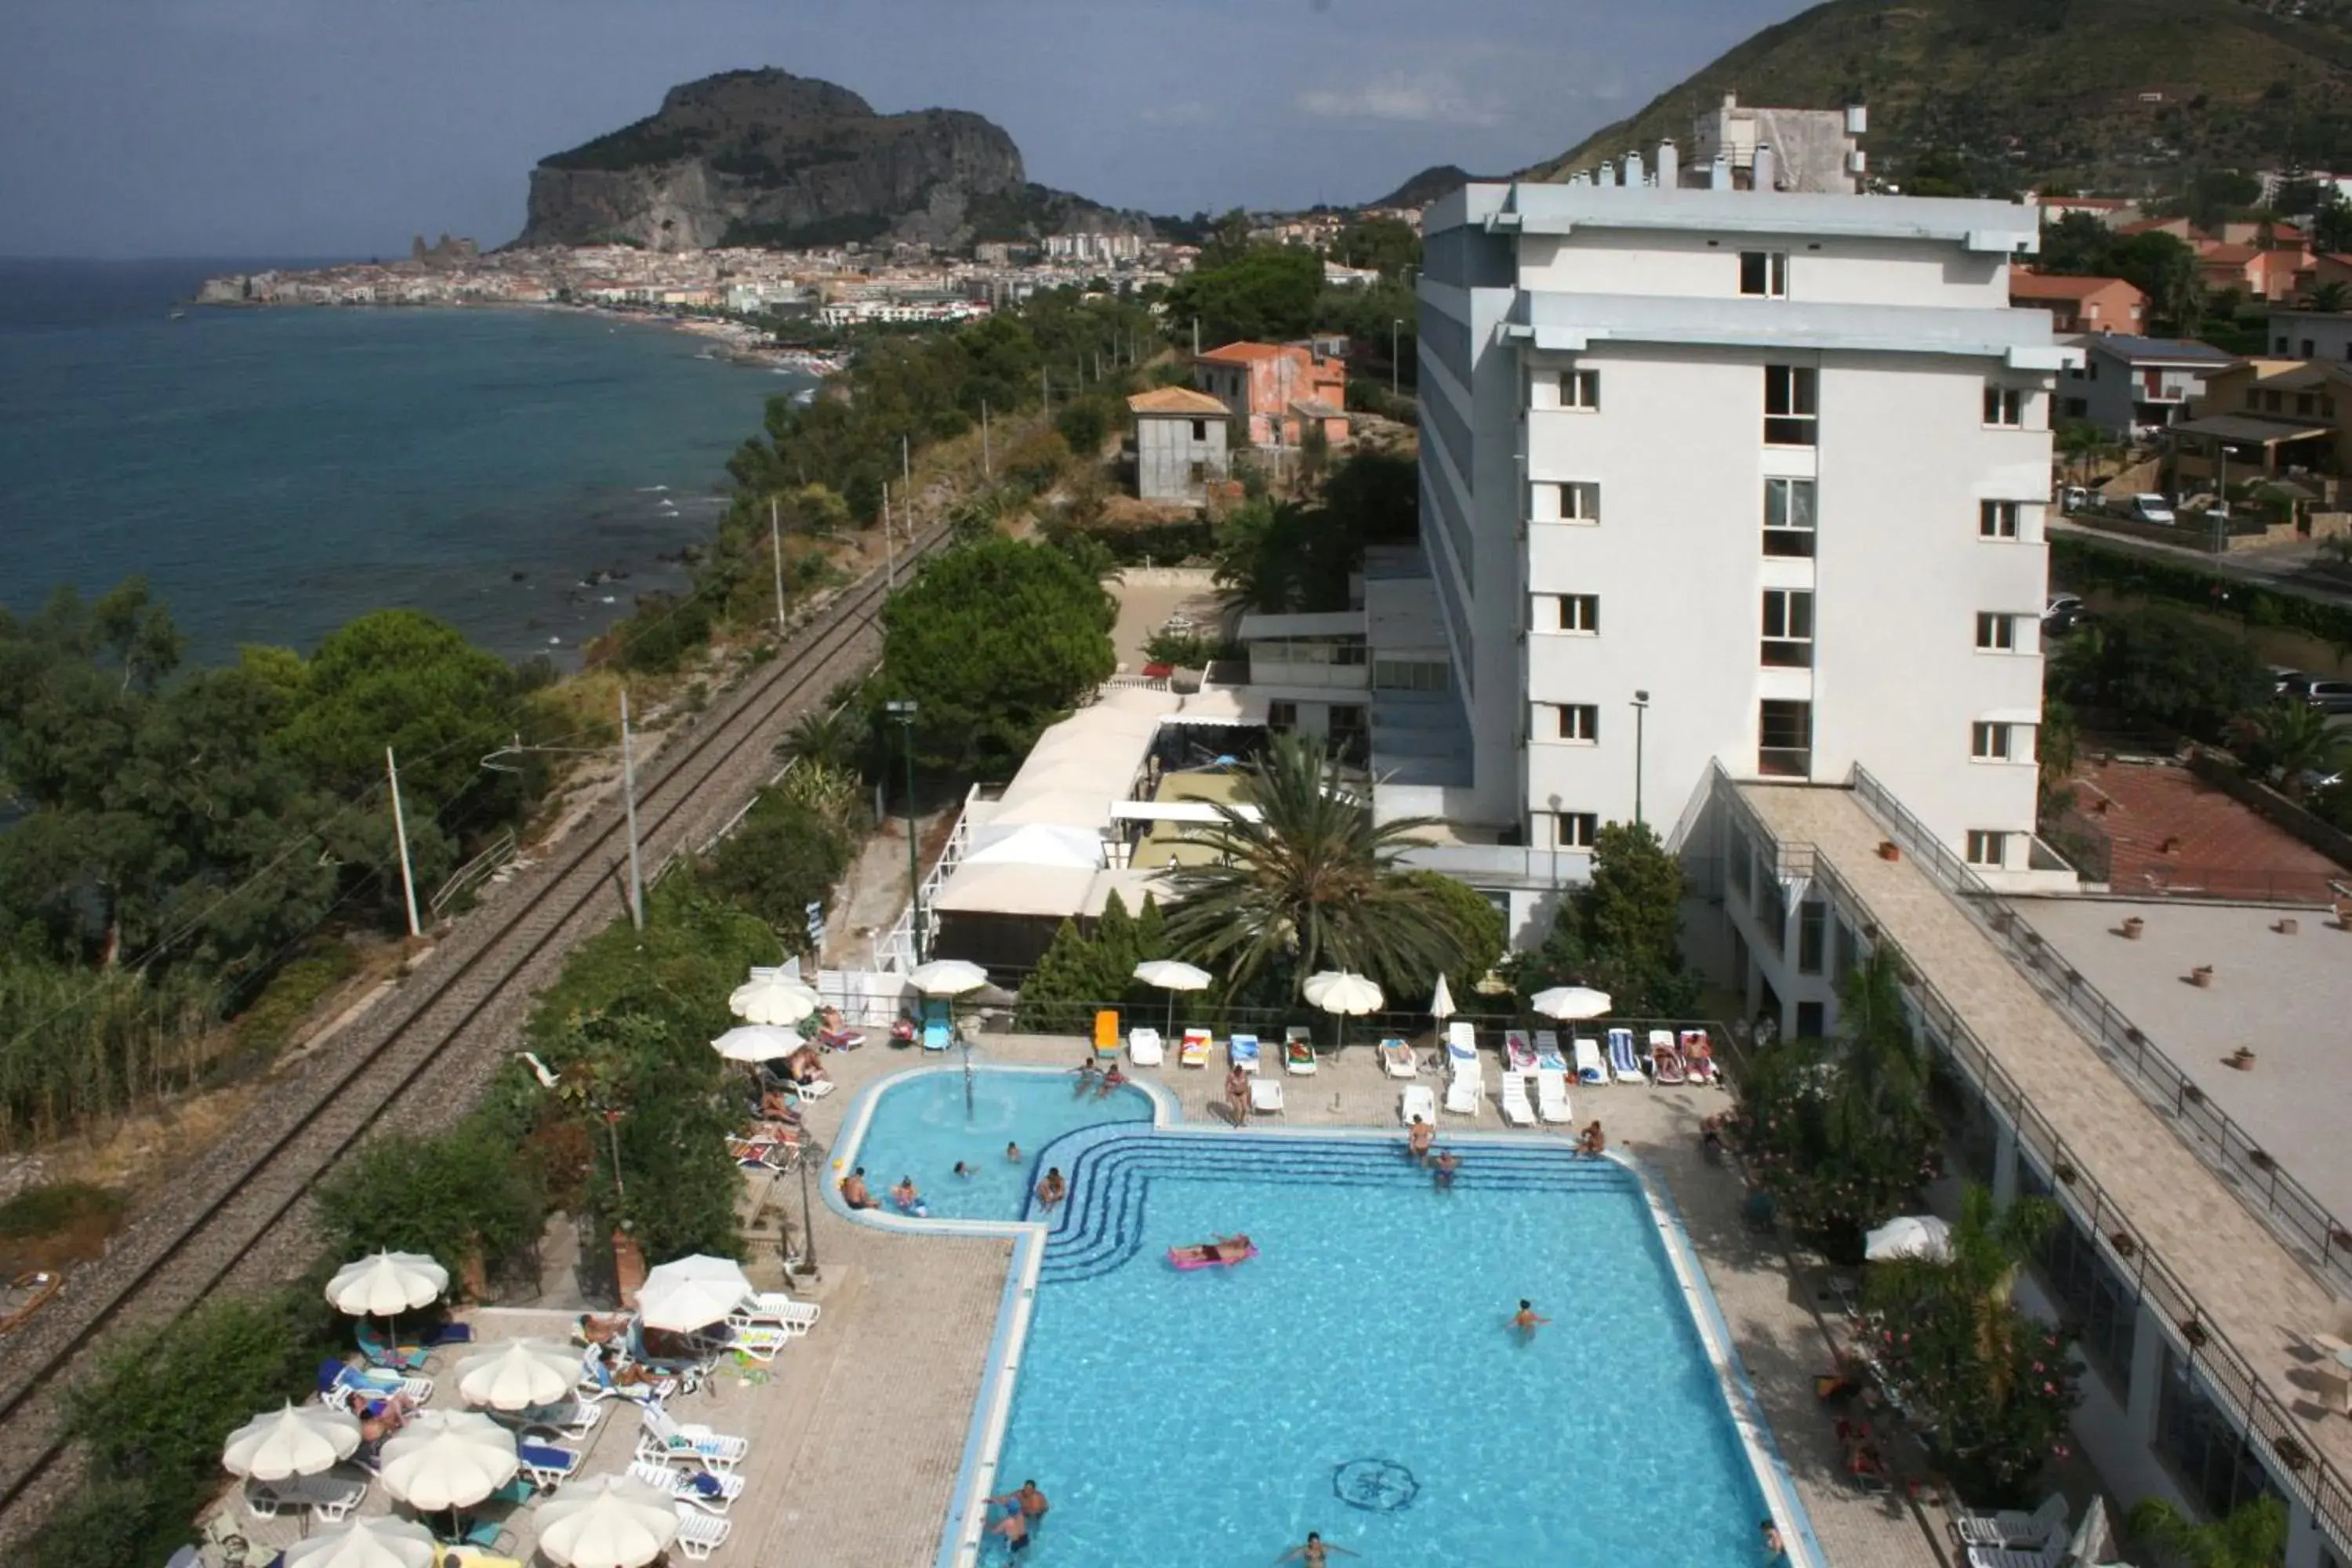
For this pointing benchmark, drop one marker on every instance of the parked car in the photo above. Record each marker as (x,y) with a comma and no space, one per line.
(2075,498)
(2063,604)
(2334,696)
(2063,613)
(2284,680)
(2152,508)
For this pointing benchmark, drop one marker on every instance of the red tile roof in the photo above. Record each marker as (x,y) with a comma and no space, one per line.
(1174,400)
(1247,353)
(2060,286)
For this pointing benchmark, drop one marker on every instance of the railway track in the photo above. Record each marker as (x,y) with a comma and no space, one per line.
(445,1030)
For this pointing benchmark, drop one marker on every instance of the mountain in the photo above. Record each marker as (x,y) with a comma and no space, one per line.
(1994,95)
(765,157)
(1439,180)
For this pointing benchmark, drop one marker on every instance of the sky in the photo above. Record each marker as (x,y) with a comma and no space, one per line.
(227,128)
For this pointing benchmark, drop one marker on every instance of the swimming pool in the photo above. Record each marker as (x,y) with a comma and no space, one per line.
(920,1126)
(1357,1377)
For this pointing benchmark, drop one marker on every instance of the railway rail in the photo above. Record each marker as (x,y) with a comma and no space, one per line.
(450,1022)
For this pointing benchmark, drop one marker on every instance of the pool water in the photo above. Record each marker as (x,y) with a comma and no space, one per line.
(921,1127)
(1359,1377)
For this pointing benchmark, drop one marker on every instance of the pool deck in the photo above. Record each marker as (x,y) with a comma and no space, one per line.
(858,1431)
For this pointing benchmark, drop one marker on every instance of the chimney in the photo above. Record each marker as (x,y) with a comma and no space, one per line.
(1768,167)
(1857,120)
(1606,174)
(1670,171)
(1633,169)
(1580,178)
(1730,100)
(1718,174)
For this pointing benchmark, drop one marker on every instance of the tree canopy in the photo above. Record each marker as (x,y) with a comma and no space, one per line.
(2162,666)
(993,641)
(2160,265)
(1268,292)
(1622,931)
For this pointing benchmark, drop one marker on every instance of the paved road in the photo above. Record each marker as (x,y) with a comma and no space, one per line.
(2285,567)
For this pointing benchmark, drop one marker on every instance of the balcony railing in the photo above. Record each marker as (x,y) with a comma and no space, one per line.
(1784,762)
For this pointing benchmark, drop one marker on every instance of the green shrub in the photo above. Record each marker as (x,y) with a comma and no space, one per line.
(784,857)
(53,1206)
(292,994)
(462,1194)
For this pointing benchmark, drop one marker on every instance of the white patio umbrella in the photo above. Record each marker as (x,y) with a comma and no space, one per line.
(772,997)
(1343,995)
(371,1541)
(948,977)
(757,1043)
(447,1459)
(516,1374)
(1172,977)
(386,1285)
(2093,1541)
(691,1292)
(1440,1001)
(1908,1236)
(606,1521)
(300,1440)
(1570,1002)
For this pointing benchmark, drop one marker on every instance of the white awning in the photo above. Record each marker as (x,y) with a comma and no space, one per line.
(1037,890)
(1062,808)
(1039,844)
(1132,884)
(1194,811)
(1218,705)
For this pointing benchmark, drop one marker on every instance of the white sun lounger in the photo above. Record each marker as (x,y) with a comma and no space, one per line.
(776,1308)
(709,1491)
(699,1534)
(1461,1045)
(1143,1047)
(1516,1109)
(2013,1529)
(329,1497)
(1622,1059)
(1266,1096)
(2051,1553)
(663,1439)
(1462,1092)
(1588,1061)
(1552,1096)
(1417,1103)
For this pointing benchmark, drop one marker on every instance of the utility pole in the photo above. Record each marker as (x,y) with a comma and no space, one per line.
(903,714)
(1098,365)
(1045,387)
(986,470)
(1196,337)
(1396,324)
(889,545)
(906,483)
(629,797)
(776,549)
(400,831)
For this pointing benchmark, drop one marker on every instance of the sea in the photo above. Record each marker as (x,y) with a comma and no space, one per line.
(523,474)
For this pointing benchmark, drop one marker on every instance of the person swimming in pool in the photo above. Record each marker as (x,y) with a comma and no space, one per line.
(1314,1551)
(962,1169)
(1087,1073)
(1224,1249)
(1053,1189)
(1013,1154)
(1526,1319)
(1444,1165)
(1110,1080)
(1014,1528)
(908,1200)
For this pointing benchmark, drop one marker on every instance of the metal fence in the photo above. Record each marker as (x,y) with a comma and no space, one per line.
(2314,1236)
(2226,1372)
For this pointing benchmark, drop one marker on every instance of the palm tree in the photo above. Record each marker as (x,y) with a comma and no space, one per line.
(2253,1535)
(1311,883)
(1879,1074)
(823,739)
(2332,295)
(2288,740)
(1985,1250)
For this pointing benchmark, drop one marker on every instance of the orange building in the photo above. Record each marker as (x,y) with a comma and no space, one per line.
(1276,391)
(2081,304)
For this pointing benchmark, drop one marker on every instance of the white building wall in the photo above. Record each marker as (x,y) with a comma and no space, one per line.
(1843,271)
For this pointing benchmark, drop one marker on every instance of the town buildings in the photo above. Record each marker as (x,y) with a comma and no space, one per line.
(1747,480)
(1180,444)
(1814,150)
(2130,386)
(2080,304)
(1276,392)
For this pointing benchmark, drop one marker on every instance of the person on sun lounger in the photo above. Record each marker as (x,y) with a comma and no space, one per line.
(1417,1142)
(1110,1080)
(854,1191)
(1224,1249)
(615,1372)
(596,1331)
(1053,1189)
(908,1200)
(1088,1074)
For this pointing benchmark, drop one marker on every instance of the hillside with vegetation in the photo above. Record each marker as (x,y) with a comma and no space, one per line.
(1993,96)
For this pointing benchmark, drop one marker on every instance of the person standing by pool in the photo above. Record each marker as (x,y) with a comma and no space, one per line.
(1313,1552)
(1592,1142)
(1087,1073)
(854,1192)
(1417,1142)
(1053,1189)
(1526,1319)
(1236,1095)
(1446,1163)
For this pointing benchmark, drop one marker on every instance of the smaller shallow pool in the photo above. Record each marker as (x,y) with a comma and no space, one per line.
(920,1126)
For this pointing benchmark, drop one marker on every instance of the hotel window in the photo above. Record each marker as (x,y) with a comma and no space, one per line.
(1282,718)
(1579,612)
(1991,743)
(2004,406)
(1579,501)
(1580,390)
(1995,632)
(1784,734)
(1411,675)
(1997,519)
(1788,629)
(1200,430)
(1812,932)
(1792,400)
(1986,847)
(1575,721)
(1575,829)
(1788,517)
(1764,273)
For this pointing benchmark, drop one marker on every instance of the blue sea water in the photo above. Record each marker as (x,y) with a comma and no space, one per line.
(274,473)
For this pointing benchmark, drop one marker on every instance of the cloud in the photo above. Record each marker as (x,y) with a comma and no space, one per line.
(1433,100)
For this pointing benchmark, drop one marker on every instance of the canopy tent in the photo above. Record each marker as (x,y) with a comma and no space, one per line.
(606,1521)
(1040,844)
(1061,807)
(517,1374)
(300,1440)
(1569,1004)
(1004,889)
(691,1292)
(447,1459)
(771,997)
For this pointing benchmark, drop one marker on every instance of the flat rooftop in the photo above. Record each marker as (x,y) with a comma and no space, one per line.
(2287,997)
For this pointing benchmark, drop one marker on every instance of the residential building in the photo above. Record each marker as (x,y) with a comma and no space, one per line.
(1180,444)
(2080,304)
(2251,270)
(1337,276)
(2108,210)
(1275,391)
(2326,266)
(2273,418)
(2311,334)
(1812,151)
(1753,479)
(2129,386)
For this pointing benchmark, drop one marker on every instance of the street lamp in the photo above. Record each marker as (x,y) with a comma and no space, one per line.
(1641,713)
(810,1150)
(903,714)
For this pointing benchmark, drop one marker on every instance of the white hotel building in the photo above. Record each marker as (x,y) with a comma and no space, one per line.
(1771,465)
